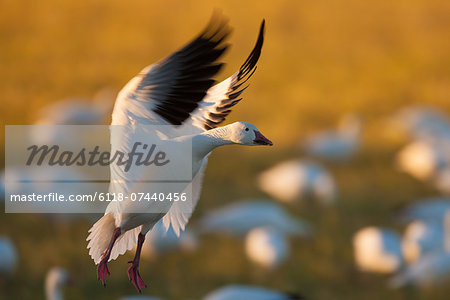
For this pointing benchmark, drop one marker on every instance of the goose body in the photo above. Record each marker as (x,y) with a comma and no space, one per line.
(240,218)
(377,250)
(176,93)
(292,180)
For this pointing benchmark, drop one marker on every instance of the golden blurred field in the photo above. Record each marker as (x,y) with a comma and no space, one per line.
(321,59)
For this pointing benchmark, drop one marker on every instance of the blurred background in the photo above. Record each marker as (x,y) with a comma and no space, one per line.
(355,96)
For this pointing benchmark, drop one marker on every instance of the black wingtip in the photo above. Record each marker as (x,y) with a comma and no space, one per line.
(217,27)
(250,63)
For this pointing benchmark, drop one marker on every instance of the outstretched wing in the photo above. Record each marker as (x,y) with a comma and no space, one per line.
(219,100)
(176,217)
(210,113)
(168,91)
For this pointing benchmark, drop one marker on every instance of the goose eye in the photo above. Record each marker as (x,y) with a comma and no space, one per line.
(246,129)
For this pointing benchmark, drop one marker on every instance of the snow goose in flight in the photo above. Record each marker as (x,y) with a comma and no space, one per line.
(177,91)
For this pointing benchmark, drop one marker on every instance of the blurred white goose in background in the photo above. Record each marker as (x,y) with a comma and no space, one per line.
(8,257)
(419,121)
(428,209)
(73,111)
(431,269)
(423,159)
(377,250)
(78,111)
(57,278)
(292,180)
(338,144)
(266,247)
(159,240)
(241,217)
(421,237)
(243,292)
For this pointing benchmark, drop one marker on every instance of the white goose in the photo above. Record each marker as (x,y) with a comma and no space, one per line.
(424,159)
(78,111)
(421,237)
(377,250)
(177,92)
(266,247)
(245,292)
(419,121)
(241,217)
(57,278)
(292,180)
(336,145)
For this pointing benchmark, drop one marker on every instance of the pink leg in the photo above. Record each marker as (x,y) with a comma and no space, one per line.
(102,269)
(133,270)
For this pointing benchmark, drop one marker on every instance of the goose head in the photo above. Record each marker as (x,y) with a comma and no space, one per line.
(247,134)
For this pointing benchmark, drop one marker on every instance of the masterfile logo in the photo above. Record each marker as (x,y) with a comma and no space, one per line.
(68,169)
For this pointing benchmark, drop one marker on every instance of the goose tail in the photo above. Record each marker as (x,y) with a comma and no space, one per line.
(99,237)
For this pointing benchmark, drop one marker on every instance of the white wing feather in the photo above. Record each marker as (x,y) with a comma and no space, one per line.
(176,217)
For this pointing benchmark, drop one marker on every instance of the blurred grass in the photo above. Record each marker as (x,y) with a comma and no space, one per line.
(320,60)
